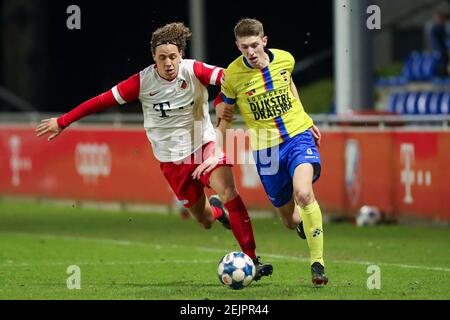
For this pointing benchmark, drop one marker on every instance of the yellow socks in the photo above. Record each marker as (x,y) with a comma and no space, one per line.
(312,224)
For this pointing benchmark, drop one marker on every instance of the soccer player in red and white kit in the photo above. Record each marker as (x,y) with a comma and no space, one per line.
(177,122)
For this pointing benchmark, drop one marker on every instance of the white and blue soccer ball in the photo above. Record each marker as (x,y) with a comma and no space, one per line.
(368,216)
(236,270)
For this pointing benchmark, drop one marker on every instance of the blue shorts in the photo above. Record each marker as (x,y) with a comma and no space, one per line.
(276,166)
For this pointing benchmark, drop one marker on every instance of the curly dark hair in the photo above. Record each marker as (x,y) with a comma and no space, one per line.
(175,33)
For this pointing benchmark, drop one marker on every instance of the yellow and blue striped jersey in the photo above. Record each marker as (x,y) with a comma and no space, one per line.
(265,99)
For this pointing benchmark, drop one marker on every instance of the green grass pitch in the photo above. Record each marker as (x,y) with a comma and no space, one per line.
(126,255)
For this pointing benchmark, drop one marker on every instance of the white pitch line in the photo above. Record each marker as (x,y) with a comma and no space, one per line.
(71,238)
(109,263)
(207,249)
(281,257)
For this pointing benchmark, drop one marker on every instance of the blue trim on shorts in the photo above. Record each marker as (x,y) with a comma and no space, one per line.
(276,166)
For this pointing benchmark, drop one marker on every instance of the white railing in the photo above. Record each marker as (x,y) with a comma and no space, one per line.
(382,121)
(322,120)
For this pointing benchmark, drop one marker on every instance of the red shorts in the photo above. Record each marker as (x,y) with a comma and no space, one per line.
(179,176)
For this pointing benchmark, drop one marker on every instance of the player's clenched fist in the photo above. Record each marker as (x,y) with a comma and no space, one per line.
(225,113)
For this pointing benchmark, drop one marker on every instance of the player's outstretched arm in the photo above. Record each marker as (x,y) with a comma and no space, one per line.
(56,125)
(48,126)
(124,92)
(314,130)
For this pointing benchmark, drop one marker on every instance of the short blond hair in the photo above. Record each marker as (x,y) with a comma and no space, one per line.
(248,27)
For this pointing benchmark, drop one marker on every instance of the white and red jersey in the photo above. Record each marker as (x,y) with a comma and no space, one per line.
(167,107)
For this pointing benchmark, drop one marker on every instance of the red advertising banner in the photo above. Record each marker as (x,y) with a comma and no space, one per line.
(82,163)
(401,172)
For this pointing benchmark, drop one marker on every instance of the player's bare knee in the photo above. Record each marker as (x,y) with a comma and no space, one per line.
(304,197)
(229,193)
(203,221)
(206,224)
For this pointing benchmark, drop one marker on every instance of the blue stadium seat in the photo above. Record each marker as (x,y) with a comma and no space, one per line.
(391,81)
(412,59)
(333,107)
(445,103)
(435,102)
(410,106)
(423,103)
(421,66)
(399,81)
(429,65)
(438,81)
(392,99)
(416,67)
(400,103)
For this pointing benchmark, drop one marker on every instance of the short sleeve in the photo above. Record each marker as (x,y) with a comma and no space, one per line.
(227,89)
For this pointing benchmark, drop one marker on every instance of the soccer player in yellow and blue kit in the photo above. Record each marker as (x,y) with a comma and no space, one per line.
(282,134)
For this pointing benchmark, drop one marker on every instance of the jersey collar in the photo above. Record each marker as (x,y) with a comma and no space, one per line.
(269,53)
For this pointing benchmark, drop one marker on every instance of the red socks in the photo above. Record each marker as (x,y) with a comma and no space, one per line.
(217,213)
(241,225)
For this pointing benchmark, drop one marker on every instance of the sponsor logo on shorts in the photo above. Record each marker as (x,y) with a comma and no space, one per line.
(317,232)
